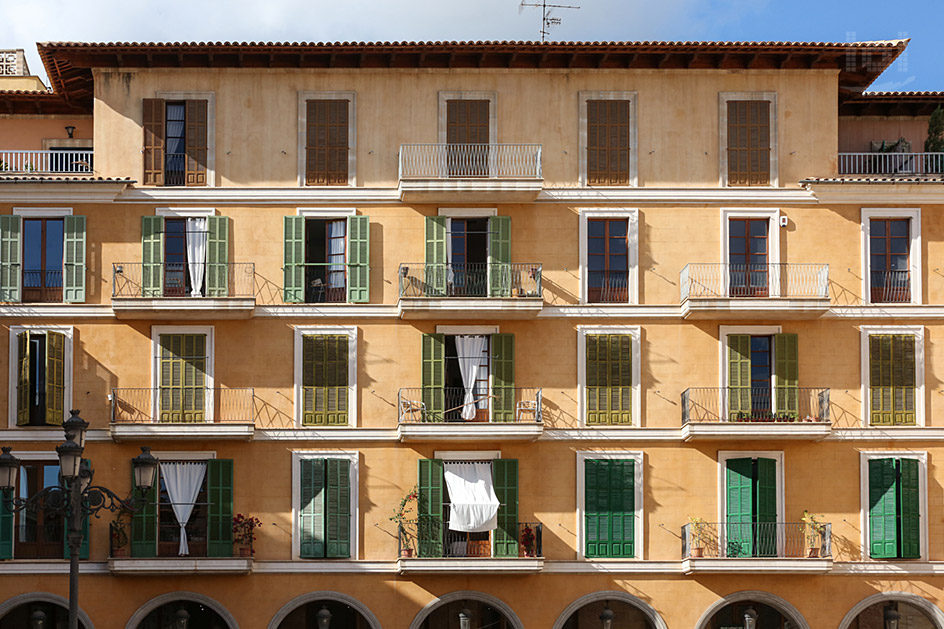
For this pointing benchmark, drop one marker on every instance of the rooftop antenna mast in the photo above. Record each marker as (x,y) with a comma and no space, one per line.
(546,20)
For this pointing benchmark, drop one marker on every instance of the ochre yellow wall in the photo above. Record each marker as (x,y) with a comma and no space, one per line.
(26,133)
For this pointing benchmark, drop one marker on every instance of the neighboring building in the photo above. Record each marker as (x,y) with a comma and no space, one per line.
(622,313)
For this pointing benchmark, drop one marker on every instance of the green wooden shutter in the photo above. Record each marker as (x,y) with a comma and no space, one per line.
(182,370)
(338,508)
(883,508)
(436,263)
(909,509)
(609,379)
(220,495)
(434,376)
(86,530)
(880,379)
(609,508)
(311,512)
(786,370)
(6,526)
(22,379)
(739,376)
(765,496)
(152,256)
(55,377)
(499,256)
(217,267)
(73,257)
(10,229)
(739,519)
(358,259)
(429,507)
(293,259)
(903,380)
(503,377)
(505,479)
(325,379)
(144,522)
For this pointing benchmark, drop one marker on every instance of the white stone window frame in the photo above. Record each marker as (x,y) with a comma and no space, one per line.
(917,331)
(351,98)
(209,332)
(210,98)
(724,332)
(351,456)
(491,97)
(185,212)
(724,456)
(914,251)
(633,331)
(639,528)
(923,515)
(631,215)
(313,330)
(773,238)
(67,360)
(583,117)
(723,99)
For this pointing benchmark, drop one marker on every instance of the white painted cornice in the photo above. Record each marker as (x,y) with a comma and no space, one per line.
(329,566)
(614,566)
(316,435)
(52,434)
(890,568)
(59,192)
(307,311)
(612,434)
(675,196)
(878,193)
(902,433)
(615,311)
(262,196)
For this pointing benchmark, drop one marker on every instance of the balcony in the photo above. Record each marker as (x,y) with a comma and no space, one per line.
(891,164)
(476,173)
(890,287)
(742,291)
(470,291)
(182,413)
(50,162)
(445,551)
(772,547)
(715,413)
(470,417)
(166,291)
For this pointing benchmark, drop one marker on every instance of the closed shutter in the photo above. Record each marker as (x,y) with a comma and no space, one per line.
(499,256)
(903,380)
(503,377)
(10,232)
(909,509)
(73,256)
(739,519)
(22,379)
(892,379)
(326,143)
(505,479)
(358,259)
(338,508)
(55,377)
(748,143)
(6,526)
(220,496)
(152,256)
(293,259)
(217,267)
(609,508)
(786,370)
(739,376)
(435,256)
(311,513)
(883,508)
(765,493)
(182,369)
(144,522)
(467,123)
(325,379)
(609,379)
(434,376)
(196,143)
(86,529)
(429,507)
(608,142)
(153,142)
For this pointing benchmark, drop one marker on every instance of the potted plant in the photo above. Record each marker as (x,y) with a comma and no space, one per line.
(527,541)
(119,535)
(399,517)
(244,533)
(697,533)
(814,532)
(935,141)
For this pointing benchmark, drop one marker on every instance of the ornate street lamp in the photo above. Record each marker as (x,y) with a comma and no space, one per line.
(323,617)
(144,466)
(77,427)
(607,616)
(891,617)
(37,619)
(181,619)
(750,618)
(465,618)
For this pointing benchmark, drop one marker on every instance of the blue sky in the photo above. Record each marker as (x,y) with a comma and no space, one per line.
(24,23)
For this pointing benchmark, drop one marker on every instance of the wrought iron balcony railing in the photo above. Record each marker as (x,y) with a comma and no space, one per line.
(453,404)
(756,539)
(182,405)
(60,162)
(901,164)
(604,287)
(493,161)
(754,405)
(722,280)
(431,538)
(147,281)
(890,287)
(473,280)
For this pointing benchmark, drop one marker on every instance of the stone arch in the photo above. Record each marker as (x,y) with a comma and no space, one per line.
(785,608)
(470,595)
(139,616)
(933,611)
(323,595)
(42,597)
(612,595)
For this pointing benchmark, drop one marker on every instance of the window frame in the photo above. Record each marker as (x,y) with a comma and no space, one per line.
(209,331)
(773,238)
(31,456)
(724,455)
(635,333)
(210,98)
(723,98)
(310,330)
(921,457)
(351,98)
(724,331)
(491,97)
(582,131)
(632,219)
(865,331)
(638,491)
(914,253)
(352,456)
(68,332)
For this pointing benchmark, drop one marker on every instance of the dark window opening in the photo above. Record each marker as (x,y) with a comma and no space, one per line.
(39,532)
(761,373)
(37,380)
(65,159)
(175,137)
(168,530)
(176,275)
(325,261)
(42,259)
(607,260)
(748,257)
(459,407)
(889,260)
(469,261)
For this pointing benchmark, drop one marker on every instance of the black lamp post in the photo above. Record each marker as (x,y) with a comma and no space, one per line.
(181,619)
(465,618)
(891,617)
(75,497)
(323,618)
(750,618)
(38,619)
(607,616)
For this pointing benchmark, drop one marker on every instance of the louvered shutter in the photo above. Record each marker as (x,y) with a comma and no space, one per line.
(748,143)
(196,140)
(86,529)
(325,379)
(434,376)
(73,257)
(786,370)
(739,519)
(6,526)
(220,496)
(608,142)
(739,377)
(909,509)
(144,522)
(883,508)
(880,379)
(55,378)
(436,263)
(499,256)
(609,509)
(10,248)
(326,143)
(903,380)
(311,513)
(293,259)
(505,480)
(217,266)
(503,377)
(338,508)
(358,259)
(182,370)
(609,379)
(153,142)
(765,493)
(22,379)
(152,256)
(429,507)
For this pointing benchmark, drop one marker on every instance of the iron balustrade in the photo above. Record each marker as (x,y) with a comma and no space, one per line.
(890,287)
(182,405)
(175,169)
(755,405)
(529,537)
(77,162)
(220,279)
(42,286)
(608,287)
(500,405)
(493,161)
(723,280)
(326,282)
(891,163)
(472,280)
(756,539)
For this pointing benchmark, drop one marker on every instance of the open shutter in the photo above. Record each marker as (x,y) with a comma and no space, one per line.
(73,257)
(883,508)
(903,380)
(609,508)
(434,376)
(358,259)
(220,495)
(293,259)
(739,519)
(503,377)
(429,507)
(786,370)
(765,494)
(196,137)
(10,248)
(144,522)
(505,479)
(499,256)
(6,526)
(55,377)
(312,509)
(436,263)
(217,267)
(153,142)
(338,508)
(739,376)
(609,379)
(86,530)
(909,509)
(22,379)
(152,256)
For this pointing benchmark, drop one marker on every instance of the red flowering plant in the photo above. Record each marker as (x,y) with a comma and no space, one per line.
(244,530)
(400,518)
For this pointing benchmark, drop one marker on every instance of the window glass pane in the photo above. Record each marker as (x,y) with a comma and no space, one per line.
(737,247)
(736,228)
(54,245)
(898,245)
(876,245)
(617,229)
(758,228)
(899,263)
(878,263)
(32,245)
(596,228)
(758,245)
(878,228)
(596,245)
(618,246)
(898,228)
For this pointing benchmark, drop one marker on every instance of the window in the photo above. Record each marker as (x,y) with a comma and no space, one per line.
(42,378)
(608,256)
(42,256)
(327,139)
(762,377)
(608,373)
(607,151)
(176,142)
(326,501)
(609,498)
(326,259)
(748,257)
(182,365)
(891,255)
(892,366)
(467,125)
(750,523)
(185,254)
(749,135)
(894,504)
(325,376)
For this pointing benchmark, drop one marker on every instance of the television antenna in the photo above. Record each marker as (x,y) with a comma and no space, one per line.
(547,21)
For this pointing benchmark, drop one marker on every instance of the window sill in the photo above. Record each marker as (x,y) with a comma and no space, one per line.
(792,308)
(737,565)
(184,308)
(470,431)
(470,190)
(162,566)
(223,431)
(471,565)
(811,431)
(469,309)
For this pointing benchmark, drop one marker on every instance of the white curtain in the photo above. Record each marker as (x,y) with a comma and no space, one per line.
(471,350)
(473,503)
(183,482)
(336,275)
(196,253)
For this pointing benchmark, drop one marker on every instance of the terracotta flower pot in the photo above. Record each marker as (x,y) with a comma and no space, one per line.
(406,553)
(698,551)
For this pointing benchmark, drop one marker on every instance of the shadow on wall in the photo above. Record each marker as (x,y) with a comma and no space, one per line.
(92,383)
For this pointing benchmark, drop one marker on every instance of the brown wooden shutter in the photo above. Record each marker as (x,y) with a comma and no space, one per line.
(326,143)
(153,141)
(608,142)
(467,122)
(748,142)
(196,143)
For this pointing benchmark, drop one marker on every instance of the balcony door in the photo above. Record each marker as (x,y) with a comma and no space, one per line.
(39,532)
(42,259)
(608,260)
(748,257)
(467,138)
(890,260)
(325,260)
(750,508)
(468,240)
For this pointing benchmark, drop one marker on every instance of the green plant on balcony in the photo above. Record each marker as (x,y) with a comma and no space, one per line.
(400,518)
(119,534)
(935,141)
(698,534)
(527,541)
(814,532)
(244,533)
